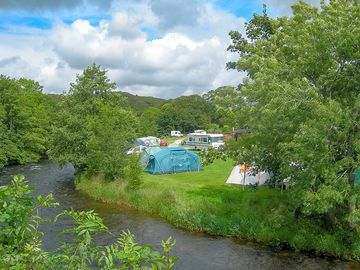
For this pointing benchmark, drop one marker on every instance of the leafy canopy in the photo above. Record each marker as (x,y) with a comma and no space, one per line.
(21,243)
(94,127)
(301,100)
(25,117)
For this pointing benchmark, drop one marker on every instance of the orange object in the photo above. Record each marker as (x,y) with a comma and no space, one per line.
(244,167)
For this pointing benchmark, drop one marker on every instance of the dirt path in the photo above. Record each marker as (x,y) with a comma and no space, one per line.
(176,143)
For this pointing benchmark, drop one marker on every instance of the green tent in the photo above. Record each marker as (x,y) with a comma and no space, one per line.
(173,160)
(145,155)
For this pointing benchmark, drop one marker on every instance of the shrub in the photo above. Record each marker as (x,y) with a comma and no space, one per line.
(21,245)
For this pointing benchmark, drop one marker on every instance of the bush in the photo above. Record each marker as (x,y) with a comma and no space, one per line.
(133,171)
(21,245)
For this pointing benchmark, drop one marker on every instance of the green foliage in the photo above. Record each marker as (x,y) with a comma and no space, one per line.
(20,242)
(82,251)
(301,101)
(94,127)
(149,120)
(25,118)
(21,245)
(127,254)
(141,103)
(133,172)
(186,114)
(202,202)
(227,101)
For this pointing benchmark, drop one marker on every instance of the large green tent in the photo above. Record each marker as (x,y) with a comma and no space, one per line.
(173,160)
(145,155)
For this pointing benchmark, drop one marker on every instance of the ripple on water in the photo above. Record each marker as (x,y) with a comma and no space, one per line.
(196,251)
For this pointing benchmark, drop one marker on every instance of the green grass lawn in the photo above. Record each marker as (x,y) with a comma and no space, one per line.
(202,202)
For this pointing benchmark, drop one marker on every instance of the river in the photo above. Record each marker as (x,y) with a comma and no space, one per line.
(195,251)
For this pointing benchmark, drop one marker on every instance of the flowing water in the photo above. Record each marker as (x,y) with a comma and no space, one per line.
(195,251)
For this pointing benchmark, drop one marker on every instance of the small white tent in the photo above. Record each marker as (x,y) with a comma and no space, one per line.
(242,175)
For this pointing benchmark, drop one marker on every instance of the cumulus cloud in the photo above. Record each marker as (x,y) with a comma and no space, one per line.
(169,66)
(31,57)
(184,57)
(125,25)
(173,13)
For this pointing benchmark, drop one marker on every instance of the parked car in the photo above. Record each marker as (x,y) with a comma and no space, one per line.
(175,133)
(163,143)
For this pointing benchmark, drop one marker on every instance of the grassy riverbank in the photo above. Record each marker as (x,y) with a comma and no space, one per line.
(202,202)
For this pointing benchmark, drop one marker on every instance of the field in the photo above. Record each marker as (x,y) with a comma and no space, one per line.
(202,202)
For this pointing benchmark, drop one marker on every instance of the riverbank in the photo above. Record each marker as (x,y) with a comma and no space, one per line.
(202,202)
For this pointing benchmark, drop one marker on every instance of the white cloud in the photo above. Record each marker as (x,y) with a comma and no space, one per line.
(174,13)
(186,59)
(125,25)
(283,7)
(33,58)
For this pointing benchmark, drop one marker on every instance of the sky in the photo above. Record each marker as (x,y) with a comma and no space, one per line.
(161,48)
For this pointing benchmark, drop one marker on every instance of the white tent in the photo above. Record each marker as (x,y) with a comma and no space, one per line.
(242,175)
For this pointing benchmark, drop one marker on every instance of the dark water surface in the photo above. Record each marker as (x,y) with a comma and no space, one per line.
(198,252)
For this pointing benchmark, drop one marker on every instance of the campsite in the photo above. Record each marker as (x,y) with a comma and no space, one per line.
(179,135)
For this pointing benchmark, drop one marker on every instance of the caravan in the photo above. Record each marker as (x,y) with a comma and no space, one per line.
(175,133)
(202,140)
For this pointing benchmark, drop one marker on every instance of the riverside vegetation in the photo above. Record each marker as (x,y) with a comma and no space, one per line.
(202,202)
(300,100)
(21,244)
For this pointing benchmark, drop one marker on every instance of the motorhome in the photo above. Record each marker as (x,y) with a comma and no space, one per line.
(202,140)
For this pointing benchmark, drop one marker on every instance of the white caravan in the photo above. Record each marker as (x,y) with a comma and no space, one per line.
(203,140)
(175,133)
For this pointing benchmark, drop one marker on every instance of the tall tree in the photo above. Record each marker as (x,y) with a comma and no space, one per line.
(149,120)
(303,105)
(24,121)
(186,114)
(94,128)
(227,100)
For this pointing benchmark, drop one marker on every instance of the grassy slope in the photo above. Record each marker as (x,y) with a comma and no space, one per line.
(137,103)
(202,202)
(141,103)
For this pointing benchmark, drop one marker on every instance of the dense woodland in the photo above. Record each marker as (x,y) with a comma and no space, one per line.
(300,99)
(35,124)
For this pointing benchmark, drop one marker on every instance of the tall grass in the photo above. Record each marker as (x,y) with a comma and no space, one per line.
(202,202)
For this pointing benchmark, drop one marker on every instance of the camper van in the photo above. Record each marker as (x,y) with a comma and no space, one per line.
(202,140)
(175,133)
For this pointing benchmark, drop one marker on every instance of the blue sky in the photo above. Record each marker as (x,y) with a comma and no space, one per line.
(161,48)
(240,8)
(45,18)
